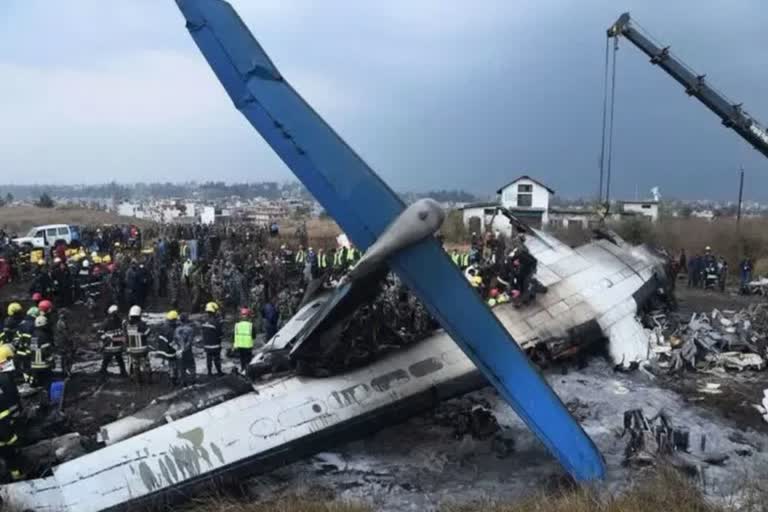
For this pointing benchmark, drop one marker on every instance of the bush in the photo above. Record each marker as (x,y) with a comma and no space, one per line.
(45,201)
(454,231)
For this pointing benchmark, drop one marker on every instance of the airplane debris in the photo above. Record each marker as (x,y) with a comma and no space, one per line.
(173,406)
(732,340)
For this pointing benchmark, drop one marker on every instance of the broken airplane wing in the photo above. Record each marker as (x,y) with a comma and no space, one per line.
(364,206)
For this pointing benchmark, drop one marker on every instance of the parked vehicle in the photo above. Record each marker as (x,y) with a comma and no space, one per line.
(51,235)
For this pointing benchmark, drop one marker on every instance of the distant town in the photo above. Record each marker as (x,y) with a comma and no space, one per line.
(266,202)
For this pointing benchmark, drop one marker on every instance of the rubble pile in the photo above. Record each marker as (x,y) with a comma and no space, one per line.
(657,439)
(732,340)
(473,417)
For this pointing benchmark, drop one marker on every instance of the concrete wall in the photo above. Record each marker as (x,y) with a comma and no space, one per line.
(648,209)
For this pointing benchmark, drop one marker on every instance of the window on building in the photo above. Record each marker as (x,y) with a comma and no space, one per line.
(646,207)
(524,196)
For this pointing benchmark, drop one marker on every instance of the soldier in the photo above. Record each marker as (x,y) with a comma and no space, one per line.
(64,342)
(182,339)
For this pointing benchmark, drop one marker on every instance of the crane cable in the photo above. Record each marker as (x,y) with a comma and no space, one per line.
(610,129)
(606,147)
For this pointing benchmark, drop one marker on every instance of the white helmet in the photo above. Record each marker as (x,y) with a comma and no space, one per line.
(707,248)
(112,309)
(134,311)
(86,263)
(41,321)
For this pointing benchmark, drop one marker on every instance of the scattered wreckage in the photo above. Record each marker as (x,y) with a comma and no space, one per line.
(733,340)
(594,291)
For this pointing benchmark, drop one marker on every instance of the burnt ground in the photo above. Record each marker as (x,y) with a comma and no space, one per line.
(738,392)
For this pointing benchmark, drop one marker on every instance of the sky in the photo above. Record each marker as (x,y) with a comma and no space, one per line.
(434,94)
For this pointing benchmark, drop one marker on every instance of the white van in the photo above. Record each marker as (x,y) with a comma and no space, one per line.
(42,237)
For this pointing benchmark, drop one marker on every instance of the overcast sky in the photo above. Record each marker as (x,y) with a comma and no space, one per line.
(432,93)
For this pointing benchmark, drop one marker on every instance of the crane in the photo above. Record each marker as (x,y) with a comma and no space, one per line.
(732,114)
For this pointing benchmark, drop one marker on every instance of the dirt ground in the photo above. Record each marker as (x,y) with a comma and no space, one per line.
(19,219)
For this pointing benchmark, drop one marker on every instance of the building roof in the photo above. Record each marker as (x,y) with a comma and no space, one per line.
(650,201)
(525,177)
(485,204)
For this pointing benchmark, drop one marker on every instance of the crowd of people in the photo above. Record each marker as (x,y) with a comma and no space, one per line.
(706,270)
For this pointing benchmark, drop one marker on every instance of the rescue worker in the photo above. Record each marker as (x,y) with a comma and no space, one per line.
(271,318)
(212,332)
(113,342)
(301,257)
(166,346)
(10,410)
(41,347)
(22,341)
(42,281)
(243,343)
(322,261)
(183,338)
(15,315)
(137,336)
(340,258)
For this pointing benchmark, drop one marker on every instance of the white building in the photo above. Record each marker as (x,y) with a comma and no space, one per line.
(648,209)
(528,199)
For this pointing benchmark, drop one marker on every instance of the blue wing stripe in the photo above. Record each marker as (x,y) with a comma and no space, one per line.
(364,206)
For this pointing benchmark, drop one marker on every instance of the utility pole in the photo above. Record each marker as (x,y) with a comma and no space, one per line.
(741,191)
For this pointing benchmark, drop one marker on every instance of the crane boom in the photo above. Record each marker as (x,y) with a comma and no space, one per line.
(732,115)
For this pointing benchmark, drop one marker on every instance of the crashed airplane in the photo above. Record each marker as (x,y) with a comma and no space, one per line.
(594,290)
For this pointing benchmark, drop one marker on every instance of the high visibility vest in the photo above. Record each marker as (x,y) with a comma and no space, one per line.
(455,258)
(322,260)
(243,335)
(338,257)
(464,259)
(351,254)
(42,356)
(300,256)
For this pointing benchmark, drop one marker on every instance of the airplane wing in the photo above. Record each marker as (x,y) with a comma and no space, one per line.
(364,206)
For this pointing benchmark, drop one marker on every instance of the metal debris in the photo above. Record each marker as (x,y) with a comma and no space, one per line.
(732,340)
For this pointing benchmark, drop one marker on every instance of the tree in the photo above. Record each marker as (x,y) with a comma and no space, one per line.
(686,211)
(9,198)
(45,201)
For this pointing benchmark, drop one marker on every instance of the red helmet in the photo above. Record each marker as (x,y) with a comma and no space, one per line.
(515,294)
(37,297)
(45,306)
(245,312)
(494,293)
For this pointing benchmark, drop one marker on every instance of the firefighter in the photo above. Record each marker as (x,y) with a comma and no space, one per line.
(10,410)
(166,347)
(137,336)
(41,348)
(212,332)
(15,315)
(113,341)
(243,343)
(22,341)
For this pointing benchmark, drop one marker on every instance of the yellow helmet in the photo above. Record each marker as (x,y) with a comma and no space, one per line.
(491,302)
(211,307)
(6,352)
(477,281)
(14,308)
(172,315)
(106,259)
(96,259)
